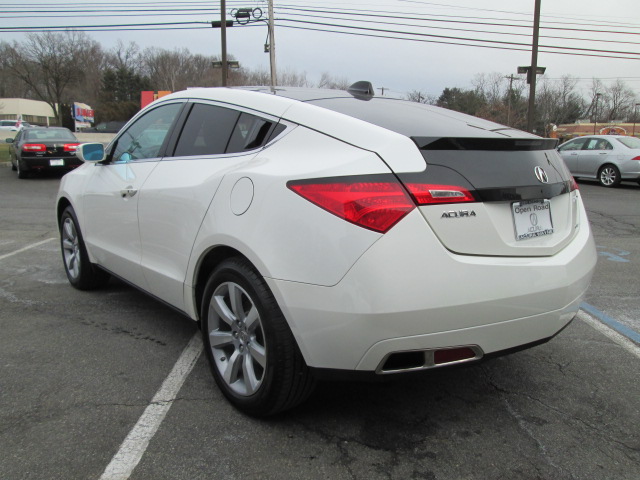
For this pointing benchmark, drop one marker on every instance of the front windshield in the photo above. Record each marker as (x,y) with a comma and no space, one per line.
(631,142)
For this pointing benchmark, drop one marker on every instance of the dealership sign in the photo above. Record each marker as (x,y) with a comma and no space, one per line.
(82,112)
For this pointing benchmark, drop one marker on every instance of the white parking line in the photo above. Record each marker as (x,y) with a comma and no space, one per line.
(621,340)
(28,247)
(136,443)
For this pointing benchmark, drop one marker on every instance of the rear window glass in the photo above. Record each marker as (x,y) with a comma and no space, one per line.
(49,135)
(630,142)
(250,132)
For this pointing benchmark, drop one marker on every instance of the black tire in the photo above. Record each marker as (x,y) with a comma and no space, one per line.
(82,274)
(254,359)
(13,167)
(609,176)
(21,172)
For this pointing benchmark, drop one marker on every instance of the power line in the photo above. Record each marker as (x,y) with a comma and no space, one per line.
(445,18)
(527,35)
(451,43)
(447,37)
(499,11)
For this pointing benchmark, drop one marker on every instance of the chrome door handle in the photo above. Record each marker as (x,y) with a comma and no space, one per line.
(128,192)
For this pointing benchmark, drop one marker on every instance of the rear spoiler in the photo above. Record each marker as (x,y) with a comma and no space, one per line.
(485,144)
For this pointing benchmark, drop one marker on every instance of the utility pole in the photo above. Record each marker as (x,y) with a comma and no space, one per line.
(511,79)
(595,113)
(533,71)
(272,47)
(381,90)
(223,33)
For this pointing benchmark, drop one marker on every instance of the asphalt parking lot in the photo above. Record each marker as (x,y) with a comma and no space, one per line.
(79,369)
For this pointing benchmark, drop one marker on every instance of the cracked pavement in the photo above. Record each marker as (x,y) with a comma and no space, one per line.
(79,368)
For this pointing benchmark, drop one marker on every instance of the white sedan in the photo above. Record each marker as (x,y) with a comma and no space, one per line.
(320,233)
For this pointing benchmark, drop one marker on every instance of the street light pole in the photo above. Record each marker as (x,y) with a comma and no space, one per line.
(272,46)
(534,67)
(635,117)
(223,42)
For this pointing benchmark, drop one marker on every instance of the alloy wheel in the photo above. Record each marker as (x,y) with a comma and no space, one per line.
(71,247)
(608,176)
(237,339)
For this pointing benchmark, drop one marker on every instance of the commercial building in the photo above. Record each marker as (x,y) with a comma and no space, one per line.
(32,111)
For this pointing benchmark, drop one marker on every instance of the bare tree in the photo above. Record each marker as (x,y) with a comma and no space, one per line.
(621,101)
(254,77)
(291,78)
(336,83)
(596,100)
(167,69)
(49,63)
(126,56)
(558,101)
(421,97)
(10,85)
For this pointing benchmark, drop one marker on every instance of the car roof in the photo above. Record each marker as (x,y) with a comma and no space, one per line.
(410,119)
(36,127)
(398,115)
(599,136)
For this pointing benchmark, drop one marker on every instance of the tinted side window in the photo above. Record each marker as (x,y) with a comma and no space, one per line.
(572,145)
(206,131)
(144,138)
(250,132)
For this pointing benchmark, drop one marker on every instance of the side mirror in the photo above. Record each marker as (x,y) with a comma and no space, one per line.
(91,152)
(9,140)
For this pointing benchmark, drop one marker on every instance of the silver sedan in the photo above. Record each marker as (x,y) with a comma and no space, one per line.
(607,158)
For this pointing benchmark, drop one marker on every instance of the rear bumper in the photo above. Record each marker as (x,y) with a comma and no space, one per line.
(44,163)
(407,292)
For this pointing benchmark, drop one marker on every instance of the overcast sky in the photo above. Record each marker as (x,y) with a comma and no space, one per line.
(398,65)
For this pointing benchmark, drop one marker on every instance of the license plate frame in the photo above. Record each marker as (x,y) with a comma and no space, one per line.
(56,162)
(532,219)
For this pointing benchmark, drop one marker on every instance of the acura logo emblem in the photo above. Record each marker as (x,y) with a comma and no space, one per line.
(541,175)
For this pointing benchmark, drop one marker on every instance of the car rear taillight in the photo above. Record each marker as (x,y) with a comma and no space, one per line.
(373,202)
(34,147)
(636,158)
(70,147)
(429,194)
(574,184)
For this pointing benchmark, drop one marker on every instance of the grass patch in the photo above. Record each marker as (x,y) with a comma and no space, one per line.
(4,152)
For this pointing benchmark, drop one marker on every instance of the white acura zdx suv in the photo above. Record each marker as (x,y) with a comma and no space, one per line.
(314,233)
